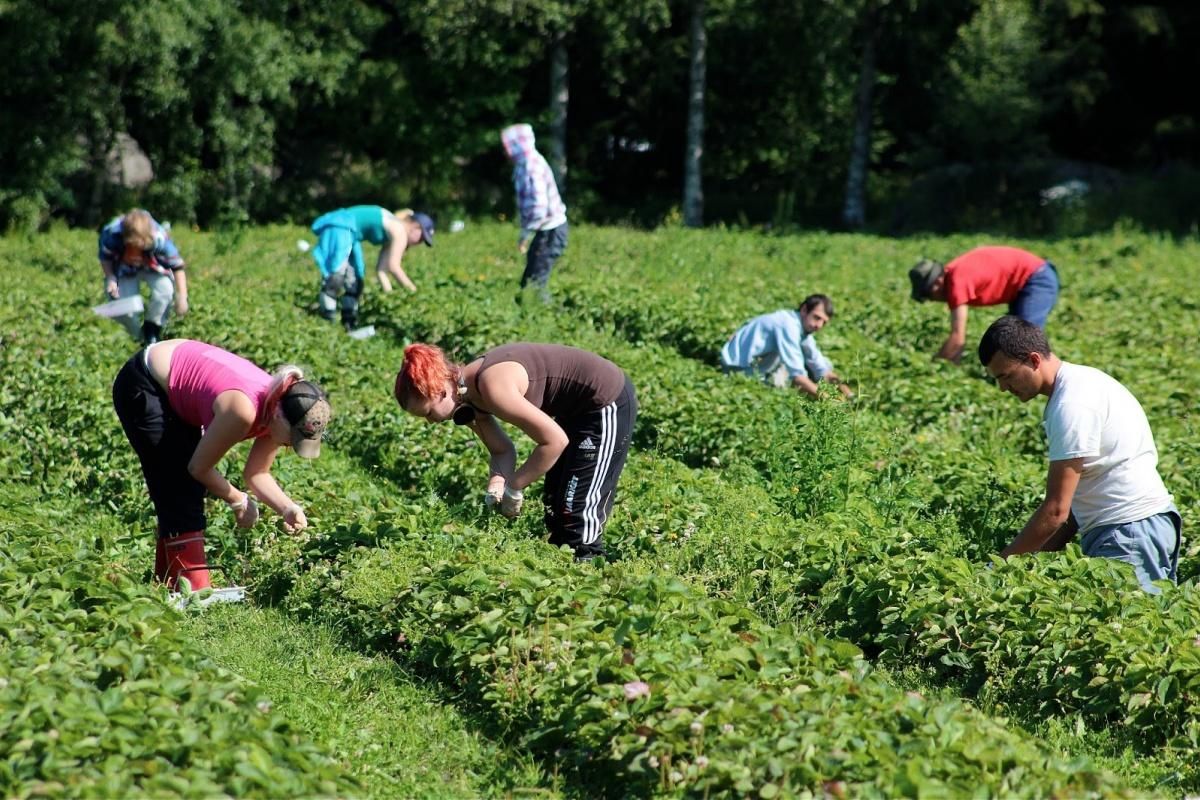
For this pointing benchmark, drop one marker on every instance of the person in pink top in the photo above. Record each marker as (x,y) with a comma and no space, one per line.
(986,276)
(183,405)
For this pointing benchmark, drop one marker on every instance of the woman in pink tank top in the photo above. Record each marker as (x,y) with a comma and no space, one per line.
(183,405)
(578,408)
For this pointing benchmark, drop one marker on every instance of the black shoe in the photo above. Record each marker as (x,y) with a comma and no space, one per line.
(150,333)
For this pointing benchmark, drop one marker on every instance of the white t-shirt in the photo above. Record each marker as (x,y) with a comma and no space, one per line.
(1092,416)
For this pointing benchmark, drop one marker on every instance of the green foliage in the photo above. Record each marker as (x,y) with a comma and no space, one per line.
(773,551)
(101,695)
(990,103)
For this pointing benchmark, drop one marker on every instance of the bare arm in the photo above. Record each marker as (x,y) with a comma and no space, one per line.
(806,385)
(181,292)
(233,414)
(503,454)
(952,348)
(257,474)
(1050,526)
(391,254)
(110,278)
(503,388)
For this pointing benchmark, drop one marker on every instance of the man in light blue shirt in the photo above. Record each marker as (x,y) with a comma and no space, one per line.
(780,347)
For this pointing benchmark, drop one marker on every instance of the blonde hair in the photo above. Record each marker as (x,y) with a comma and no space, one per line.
(137,229)
(281,380)
(403,213)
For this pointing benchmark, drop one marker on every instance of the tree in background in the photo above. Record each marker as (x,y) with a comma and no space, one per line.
(990,102)
(854,210)
(512,37)
(949,114)
(693,187)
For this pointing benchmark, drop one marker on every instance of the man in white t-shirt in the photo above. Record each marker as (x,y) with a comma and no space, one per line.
(1103,480)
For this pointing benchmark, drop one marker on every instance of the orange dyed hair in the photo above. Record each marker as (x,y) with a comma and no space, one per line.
(424,372)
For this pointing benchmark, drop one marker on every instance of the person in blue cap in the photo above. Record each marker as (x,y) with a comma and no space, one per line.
(339,253)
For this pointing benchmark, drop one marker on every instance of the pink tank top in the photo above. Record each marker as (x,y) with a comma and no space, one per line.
(200,372)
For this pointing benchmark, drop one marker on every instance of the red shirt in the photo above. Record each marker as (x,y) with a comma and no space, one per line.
(988,276)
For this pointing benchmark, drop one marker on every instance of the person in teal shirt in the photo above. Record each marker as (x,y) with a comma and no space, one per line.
(339,254)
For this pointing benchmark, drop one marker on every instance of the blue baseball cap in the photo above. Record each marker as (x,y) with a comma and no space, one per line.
(426,224)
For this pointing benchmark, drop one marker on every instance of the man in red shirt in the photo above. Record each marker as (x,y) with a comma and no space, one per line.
(986,276)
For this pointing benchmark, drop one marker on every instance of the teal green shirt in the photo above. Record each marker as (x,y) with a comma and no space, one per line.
(369,220)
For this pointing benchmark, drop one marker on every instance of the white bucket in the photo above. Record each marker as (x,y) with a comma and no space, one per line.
(365,332)
(120,308)
(228,594)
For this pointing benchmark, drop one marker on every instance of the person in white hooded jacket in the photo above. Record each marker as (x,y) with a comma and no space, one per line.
(542,213)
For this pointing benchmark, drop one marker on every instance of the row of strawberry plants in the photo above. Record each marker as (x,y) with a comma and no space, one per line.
(102,696)
(1042,637)
(1165,719)
(635,683)
(664,373)
(662,369)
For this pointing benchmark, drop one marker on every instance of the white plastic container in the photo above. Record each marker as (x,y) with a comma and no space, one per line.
(120,308)
(302,245)
(228,594)
(365,332)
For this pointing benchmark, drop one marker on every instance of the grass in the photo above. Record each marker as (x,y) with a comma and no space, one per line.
(396,735)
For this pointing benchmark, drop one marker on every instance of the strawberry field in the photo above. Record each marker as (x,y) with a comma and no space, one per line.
(802,598)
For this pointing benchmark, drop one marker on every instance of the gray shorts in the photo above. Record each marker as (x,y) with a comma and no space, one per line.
(1150,545)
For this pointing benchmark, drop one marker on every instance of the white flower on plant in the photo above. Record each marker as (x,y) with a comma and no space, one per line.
(697,728)
(676,776)
(701,761)
(551,666)
(263,706)
(636,689)
(654,762)
(727,728)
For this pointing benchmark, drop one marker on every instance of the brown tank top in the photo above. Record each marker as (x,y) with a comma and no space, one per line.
(563,381)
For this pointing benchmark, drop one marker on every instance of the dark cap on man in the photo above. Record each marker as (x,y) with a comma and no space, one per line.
(307,410)
(923,276)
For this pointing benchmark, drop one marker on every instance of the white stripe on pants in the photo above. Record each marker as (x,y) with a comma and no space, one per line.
(593,502)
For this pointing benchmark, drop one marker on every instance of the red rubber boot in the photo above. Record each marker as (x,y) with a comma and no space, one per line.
(185,559)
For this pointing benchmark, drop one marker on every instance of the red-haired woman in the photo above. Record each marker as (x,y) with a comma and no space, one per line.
(578,408)
(184,405)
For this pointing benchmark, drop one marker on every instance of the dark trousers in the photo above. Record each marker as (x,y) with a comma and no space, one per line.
(582,484)
(344,282)
(543,251)
(164,444)
(1037,297)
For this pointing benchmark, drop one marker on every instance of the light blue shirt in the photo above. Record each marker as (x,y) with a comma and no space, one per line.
(770,339)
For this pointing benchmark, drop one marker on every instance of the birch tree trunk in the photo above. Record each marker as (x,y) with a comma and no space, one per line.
(560,92)
(854,213)
(693,190)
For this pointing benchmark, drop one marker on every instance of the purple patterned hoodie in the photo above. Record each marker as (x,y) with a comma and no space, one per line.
(538,202)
